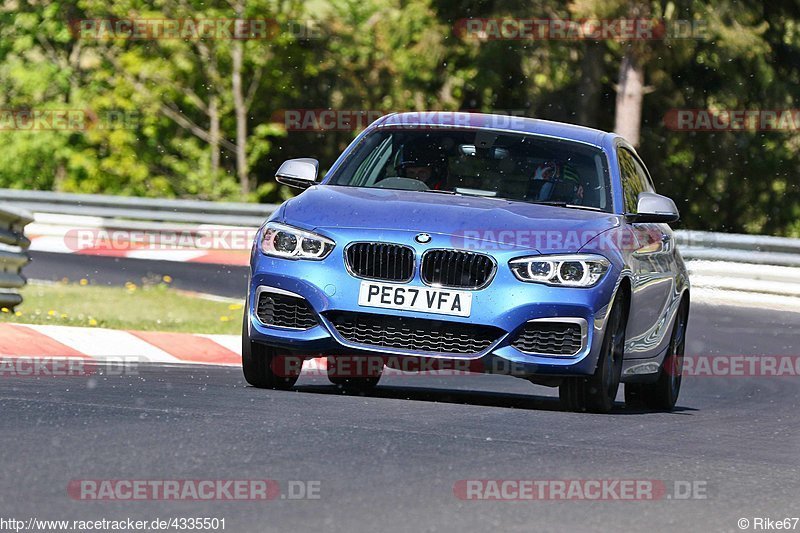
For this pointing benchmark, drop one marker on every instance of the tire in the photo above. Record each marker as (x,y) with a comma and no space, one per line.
(355,384)
(597,392)
(663,394)
(260,362)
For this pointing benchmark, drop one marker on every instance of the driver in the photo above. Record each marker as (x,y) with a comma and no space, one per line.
(424,160)
(551,173)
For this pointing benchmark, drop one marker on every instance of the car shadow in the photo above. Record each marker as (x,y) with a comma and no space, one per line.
(473,397)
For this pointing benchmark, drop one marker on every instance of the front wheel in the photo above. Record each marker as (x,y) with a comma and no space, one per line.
(597,392)
(264,368)
(663,394)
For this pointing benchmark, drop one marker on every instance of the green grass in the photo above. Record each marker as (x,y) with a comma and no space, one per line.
(154,307)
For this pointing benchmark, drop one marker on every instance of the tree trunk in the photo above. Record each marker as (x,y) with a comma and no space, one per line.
(213,132)
(240,109)
(630,92)
(60,177)
(589,90)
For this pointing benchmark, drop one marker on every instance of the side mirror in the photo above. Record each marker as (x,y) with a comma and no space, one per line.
(654,208)
(298,173)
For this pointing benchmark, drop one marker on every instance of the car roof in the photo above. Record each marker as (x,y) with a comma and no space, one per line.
(494,121)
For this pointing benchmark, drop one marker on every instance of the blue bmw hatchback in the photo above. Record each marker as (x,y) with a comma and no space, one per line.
(475,242)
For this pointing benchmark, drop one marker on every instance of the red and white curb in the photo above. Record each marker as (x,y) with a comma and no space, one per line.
(82,235)
(189,255)
(97,344)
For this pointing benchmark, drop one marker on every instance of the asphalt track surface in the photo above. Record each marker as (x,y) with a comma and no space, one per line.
(220,280)
(389,461)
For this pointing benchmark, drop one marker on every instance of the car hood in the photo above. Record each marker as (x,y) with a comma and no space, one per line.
(467,219)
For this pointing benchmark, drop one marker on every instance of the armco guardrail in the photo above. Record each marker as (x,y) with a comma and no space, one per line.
(13,256)
(128,208)
(742,263)
(734,247)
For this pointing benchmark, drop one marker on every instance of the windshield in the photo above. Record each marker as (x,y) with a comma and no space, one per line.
(489,163)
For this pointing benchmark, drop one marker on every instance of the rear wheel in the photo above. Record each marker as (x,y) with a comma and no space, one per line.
(355,374)
(597,392)
(263,367)
(663,394)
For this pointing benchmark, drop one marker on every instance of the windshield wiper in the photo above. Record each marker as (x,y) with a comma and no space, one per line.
(462,192)
(438,191)
(568,205)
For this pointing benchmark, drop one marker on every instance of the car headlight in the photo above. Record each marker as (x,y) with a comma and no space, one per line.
(561,270)
(285,241)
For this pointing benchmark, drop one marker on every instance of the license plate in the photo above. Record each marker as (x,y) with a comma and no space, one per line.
(407,298)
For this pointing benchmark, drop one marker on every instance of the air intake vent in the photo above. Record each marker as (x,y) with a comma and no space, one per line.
(413,334)
(285,311)
(550,338)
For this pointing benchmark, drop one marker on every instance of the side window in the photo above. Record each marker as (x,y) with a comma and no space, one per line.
(644,177)
(634,179)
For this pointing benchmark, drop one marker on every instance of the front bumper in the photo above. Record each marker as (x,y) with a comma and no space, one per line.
(506,303)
